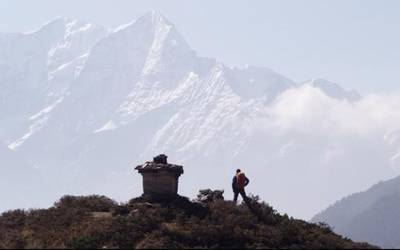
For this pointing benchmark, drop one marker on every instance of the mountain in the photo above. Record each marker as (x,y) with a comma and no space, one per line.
(34,72)
(97,222)
(368,216)
(334,90)
(82,104)
(393,138)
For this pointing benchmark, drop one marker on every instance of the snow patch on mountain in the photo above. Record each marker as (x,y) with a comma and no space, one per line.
(38,122)
(78,39)
(110,125)
(46,110)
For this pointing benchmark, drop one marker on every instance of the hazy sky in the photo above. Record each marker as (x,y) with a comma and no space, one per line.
(352,42)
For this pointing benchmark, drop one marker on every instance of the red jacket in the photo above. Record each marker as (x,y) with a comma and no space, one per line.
(240,181)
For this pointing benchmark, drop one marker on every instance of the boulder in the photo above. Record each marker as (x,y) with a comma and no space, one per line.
(208,195)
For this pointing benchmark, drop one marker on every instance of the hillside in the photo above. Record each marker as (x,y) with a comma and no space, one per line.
(98,222)
(371,216)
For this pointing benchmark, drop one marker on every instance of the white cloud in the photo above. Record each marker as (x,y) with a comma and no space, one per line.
(307,109)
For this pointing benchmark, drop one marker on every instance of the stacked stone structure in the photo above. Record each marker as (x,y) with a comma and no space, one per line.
(160,179)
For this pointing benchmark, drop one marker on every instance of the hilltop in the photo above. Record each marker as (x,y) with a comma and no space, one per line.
(99,222)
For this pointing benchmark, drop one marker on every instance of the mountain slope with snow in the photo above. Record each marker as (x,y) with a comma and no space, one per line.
(83,104)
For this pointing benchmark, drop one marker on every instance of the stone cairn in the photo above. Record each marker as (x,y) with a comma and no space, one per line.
(160,179)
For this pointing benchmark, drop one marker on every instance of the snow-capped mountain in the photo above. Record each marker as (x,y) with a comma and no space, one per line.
(34,73)
(334,90)
(82,105)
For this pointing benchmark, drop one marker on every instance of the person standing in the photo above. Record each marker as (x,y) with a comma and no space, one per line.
(239,182)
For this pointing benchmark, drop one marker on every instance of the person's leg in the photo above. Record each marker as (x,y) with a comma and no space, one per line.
(235,197)
(244,196)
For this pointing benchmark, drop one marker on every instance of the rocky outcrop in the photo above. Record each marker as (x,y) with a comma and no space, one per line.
(208,195)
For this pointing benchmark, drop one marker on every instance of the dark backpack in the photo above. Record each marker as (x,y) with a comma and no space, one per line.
(240,180)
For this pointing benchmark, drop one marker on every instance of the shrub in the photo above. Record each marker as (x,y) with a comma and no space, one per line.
(84,242)
(90,203)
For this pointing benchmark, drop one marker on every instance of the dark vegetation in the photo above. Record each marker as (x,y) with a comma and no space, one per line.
(98,222)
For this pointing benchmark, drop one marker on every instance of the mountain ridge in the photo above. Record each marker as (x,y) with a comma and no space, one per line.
(369,215)
(105,99)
